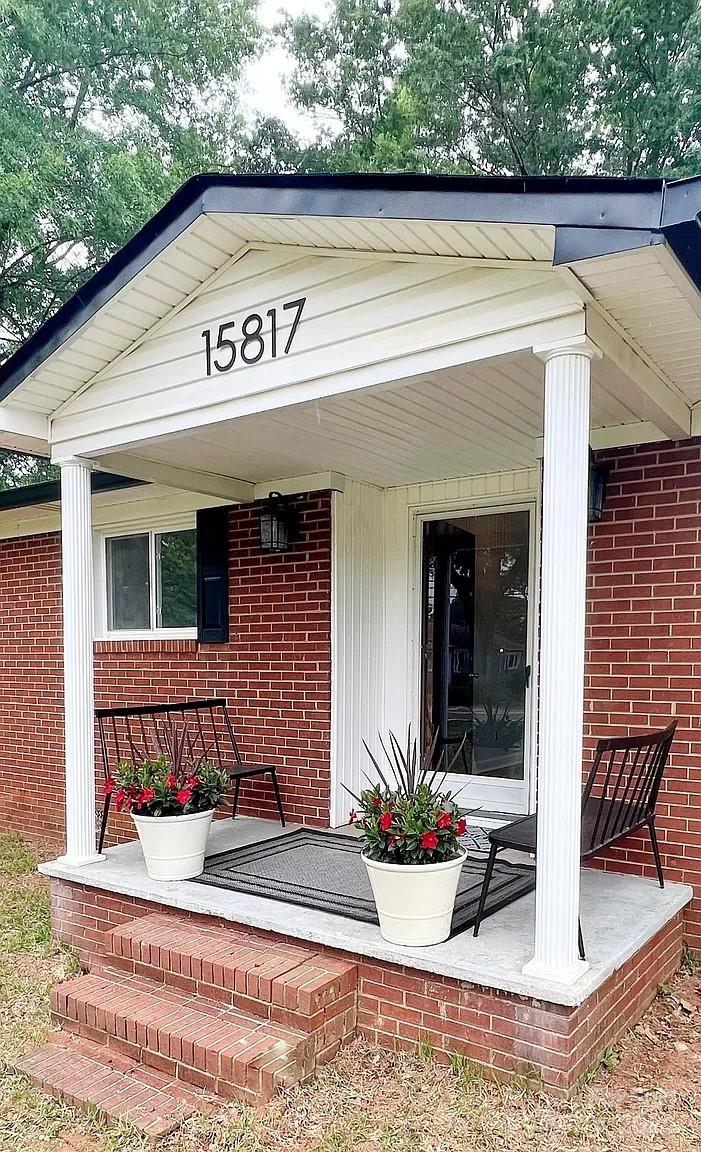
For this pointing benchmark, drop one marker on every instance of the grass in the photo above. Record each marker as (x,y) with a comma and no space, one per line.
(643,1093)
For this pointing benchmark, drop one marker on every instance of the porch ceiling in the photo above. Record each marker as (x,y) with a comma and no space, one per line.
(470,420)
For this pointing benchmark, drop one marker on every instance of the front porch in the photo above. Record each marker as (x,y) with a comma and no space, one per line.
(414,369)
(467,995)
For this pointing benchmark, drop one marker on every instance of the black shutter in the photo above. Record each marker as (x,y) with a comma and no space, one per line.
(213,575)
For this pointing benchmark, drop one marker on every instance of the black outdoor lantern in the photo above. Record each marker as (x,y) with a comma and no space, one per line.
(279,524)
(598,474)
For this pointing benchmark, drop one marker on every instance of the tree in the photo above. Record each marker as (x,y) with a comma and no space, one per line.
(648,86)
(105,108)
(502,86)
(18,470)
(347,78)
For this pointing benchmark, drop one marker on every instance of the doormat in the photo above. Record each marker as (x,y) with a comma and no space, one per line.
(324,870)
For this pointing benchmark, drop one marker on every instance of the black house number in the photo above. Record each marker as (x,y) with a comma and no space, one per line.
(250,344)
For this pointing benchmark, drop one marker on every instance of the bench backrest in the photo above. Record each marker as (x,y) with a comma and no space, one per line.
(623,785)
(140,733)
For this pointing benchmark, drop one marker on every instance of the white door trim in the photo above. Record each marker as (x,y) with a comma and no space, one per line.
(521,799)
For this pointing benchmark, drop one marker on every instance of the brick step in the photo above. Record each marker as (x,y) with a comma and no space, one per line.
(187,1038)
(121,1089)
(294,986)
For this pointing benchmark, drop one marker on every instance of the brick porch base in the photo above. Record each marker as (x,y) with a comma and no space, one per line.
(397,1006)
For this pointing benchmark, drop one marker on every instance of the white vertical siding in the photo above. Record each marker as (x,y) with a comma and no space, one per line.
(357,628)
(375,597)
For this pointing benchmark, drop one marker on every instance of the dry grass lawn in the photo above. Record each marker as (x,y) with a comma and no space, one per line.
(645,1096)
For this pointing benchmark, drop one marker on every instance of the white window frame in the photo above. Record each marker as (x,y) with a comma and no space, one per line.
(503,795)
(177,522)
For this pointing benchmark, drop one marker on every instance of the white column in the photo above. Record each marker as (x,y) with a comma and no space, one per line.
(78,599)
(563,595)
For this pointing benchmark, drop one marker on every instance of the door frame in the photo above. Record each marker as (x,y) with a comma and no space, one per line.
(515,800)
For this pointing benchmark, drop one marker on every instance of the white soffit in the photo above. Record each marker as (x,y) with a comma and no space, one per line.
(212,241)
(649,295)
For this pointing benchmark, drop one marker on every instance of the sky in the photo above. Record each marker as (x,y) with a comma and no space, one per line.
(264,81)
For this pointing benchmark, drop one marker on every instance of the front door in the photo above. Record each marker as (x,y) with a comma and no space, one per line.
(475,646)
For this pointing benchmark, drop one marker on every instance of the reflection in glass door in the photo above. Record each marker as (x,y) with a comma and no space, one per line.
(475,653)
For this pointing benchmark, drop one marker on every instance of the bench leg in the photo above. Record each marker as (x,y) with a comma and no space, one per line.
(278,798)
(237,788)
(485,887)
(580,941)
(103,822)
(656,849)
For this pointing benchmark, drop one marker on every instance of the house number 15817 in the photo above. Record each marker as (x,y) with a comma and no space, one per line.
(251,343)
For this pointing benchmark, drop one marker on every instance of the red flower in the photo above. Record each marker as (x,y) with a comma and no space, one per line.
(120,800)
(353,816)
(147,794)
(429,840)
(184,796)
(171,780)
(386,821)
(393,841)
(109,786)
(462,825)
(376,802)
(444,820)
(192,781)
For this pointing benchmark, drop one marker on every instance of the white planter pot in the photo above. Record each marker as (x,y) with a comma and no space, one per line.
(174,846)
(415,901)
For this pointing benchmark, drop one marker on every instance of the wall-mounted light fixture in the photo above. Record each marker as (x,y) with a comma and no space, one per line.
(598,475)
(279,524)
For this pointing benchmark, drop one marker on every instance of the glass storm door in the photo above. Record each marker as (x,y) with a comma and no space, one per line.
(475,670)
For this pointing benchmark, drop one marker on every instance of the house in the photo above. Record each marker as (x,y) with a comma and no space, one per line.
(421,369)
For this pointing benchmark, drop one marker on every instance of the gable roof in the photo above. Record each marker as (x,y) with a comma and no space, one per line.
(591,216)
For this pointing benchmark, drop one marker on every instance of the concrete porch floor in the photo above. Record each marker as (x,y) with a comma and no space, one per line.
(620,914)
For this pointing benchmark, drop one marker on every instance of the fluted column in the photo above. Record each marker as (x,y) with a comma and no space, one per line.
(78,599)
(563,595)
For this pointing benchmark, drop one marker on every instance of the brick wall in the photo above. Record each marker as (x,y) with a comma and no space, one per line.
(644,640)
(274,672)
(398,1006)
(643,635)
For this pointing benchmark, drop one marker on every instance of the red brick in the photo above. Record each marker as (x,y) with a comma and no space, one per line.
(274,673)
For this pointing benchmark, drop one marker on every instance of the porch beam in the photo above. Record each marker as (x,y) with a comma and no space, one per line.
(173,476)
(23,431)
(563,592)
(293,485)
(79,703)
(618,436)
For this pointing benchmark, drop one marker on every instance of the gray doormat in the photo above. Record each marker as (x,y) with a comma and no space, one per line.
(324,870)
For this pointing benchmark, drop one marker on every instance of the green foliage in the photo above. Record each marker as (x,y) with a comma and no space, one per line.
(501,86)
(17,470)
(154,788)
(16,857)
(105,108)
(609,1059)
(173,784)
(690,961)
(408,819)
(24,920)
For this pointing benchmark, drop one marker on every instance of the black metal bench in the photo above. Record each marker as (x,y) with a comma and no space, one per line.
(619,798)
(137,734)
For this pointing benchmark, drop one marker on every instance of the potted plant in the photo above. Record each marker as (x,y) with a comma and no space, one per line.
(171,800)
(410,830)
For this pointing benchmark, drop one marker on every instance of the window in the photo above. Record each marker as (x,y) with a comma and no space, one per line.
(149,582)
